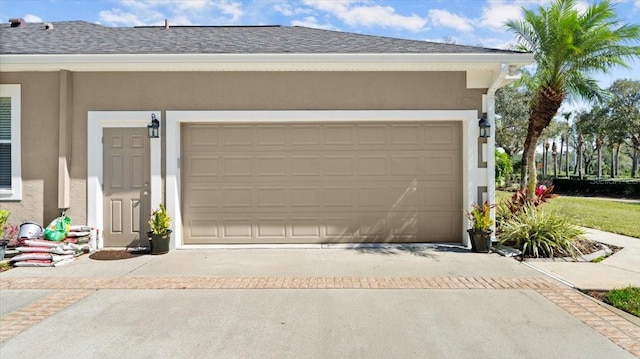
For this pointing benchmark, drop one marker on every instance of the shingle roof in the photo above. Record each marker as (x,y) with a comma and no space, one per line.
(80,37)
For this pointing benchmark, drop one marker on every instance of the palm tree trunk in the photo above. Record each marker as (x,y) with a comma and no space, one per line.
(560,158)
(566,155)
(617,167)
(613,161)
(599,149)
(529,165)
(636,148)
(545,166)
(546,105)
(579,164)
(554,157)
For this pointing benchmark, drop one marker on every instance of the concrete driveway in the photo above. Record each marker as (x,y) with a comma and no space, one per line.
(403,302)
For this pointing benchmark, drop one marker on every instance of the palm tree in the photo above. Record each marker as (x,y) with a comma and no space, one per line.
(568,47)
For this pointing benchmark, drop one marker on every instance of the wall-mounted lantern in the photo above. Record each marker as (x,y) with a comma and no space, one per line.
(154,127)
(485,127)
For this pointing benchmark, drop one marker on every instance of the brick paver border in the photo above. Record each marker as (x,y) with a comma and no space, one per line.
(27,316)
(279,283)
(617,329)
(70,290)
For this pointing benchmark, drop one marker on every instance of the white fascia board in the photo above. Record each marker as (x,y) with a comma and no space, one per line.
(262,62)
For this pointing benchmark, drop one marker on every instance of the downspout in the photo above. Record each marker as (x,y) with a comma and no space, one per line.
(508,73)
(64,140)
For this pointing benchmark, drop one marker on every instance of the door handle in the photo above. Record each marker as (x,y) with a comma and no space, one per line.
(145,193)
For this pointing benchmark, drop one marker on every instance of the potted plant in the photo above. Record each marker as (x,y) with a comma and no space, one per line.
(481,222)
(160,234)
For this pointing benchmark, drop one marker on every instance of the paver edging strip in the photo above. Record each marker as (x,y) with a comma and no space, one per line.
(230,282)
(20,320)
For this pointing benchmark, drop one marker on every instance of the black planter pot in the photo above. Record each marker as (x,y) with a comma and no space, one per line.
(480,240)
(159,242)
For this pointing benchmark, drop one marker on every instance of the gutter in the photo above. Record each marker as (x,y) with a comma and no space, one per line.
(260,62)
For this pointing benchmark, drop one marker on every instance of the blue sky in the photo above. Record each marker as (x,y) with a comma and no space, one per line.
(470,22)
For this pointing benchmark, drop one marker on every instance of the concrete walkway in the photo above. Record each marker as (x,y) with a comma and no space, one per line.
(619,270)
(403,302)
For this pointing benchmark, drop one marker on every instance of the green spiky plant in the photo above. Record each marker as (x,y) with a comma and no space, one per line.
(539,233)
(480,216)
(160,220)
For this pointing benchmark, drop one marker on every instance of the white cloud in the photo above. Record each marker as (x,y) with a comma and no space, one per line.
(192,4)
(446,19)
(32,18)
(311,21)
(117,17)
(180,21)
(232,8)
(496,13)
(637,4)
(179,12)
(285,8)
(359,13)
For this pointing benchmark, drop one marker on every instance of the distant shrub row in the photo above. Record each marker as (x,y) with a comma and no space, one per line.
(619,187)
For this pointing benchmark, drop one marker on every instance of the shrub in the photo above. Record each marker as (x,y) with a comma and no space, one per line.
(539,233)
(4,217)
(503,168)
(620,187)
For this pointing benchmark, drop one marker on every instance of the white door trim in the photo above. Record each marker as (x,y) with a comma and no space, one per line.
(472,177)
(97,121)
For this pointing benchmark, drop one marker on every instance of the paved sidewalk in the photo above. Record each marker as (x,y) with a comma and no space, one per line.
(403,302)
(619,270)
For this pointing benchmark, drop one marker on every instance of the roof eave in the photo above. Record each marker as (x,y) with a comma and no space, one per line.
(263,62)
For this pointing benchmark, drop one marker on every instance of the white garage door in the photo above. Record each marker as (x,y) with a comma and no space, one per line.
(321,182)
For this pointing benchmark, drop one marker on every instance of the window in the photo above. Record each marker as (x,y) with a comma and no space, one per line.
(10,166)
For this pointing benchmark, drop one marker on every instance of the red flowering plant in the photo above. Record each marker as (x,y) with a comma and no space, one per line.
(519,199)
(510,208)
(10,234)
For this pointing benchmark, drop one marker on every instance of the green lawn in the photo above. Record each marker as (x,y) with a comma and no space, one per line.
(627,299)
(611,216)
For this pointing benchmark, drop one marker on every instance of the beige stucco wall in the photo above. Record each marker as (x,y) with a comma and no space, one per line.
(198,91)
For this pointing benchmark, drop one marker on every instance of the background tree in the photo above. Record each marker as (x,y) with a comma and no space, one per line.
(512,110)
(503,168)
(624,107)
(592,124)
(568,47)
(553,131)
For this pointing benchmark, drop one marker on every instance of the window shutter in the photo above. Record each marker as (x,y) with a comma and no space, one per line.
(5,142)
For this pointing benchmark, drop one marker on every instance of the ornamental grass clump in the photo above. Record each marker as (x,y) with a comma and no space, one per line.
(539,233)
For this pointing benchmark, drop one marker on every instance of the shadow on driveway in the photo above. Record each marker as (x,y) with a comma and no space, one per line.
(418,250)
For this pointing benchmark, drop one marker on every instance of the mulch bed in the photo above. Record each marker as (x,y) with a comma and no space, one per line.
(582,245)
(111,255)
(597,294)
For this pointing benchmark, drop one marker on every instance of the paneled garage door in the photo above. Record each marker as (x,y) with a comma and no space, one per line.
(321,182)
